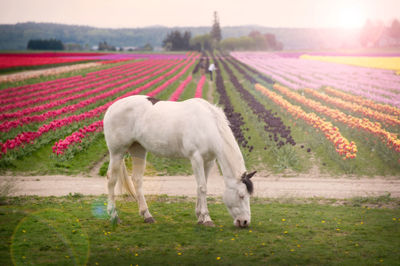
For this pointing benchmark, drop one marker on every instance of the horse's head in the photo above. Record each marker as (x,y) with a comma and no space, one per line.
(237,200)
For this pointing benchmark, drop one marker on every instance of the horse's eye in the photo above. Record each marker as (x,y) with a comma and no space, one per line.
(241,197)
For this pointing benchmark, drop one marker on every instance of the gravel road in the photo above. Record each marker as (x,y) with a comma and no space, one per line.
(272,187)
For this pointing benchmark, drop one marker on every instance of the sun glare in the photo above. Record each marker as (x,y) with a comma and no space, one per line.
(351,17)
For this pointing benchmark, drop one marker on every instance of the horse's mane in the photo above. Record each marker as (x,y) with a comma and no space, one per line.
(231,147)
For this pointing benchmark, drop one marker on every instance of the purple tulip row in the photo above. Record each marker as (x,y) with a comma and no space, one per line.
(376,84)
(235,119)
(273,124)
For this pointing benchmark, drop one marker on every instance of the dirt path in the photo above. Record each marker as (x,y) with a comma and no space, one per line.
(271,187)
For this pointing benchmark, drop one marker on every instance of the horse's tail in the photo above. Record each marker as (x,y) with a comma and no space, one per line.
(127,186)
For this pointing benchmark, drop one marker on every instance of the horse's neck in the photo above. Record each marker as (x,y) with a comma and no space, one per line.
(231,161)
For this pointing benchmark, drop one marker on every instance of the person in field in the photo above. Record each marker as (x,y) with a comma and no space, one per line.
(211,69)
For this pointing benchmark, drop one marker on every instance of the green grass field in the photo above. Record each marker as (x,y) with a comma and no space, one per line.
(76,230)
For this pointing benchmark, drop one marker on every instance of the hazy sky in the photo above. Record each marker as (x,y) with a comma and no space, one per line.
(140,13)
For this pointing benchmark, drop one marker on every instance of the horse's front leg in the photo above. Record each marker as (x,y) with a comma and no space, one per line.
(201,206)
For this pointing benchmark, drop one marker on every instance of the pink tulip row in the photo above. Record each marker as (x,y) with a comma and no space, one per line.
(63,89)
(376,84)
(63,82)
(7,125)
(62,145)
(129,82)
(19,103)
(199,88)
(62,95)
(175,96)
(25,138)
(172,80)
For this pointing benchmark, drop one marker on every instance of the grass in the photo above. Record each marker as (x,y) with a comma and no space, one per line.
(42,161)
(76,230)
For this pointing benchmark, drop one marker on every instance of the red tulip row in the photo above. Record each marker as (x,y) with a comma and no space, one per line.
(199,88)
(62,145)
(172,80)
(131,81)
(11,61)
(342,146)
(175,96)
(354,107)
(29,137)
(66,83)
(364,124)
(54,93)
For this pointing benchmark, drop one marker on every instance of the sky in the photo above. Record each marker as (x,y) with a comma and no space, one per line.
(170,13)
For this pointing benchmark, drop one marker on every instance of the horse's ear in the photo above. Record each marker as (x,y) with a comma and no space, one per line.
(243,176)
(251,174)
(246,180)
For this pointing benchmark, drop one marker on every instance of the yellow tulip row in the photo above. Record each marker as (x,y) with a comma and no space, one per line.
(354,107)
(391,63)
(364,124)
(345,148)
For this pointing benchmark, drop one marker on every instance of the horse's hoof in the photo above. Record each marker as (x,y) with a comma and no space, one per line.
(149,220)
(115,221)
(207,224)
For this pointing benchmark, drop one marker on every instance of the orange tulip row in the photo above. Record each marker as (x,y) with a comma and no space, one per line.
(342,145)
(384,108)
(355,107)
(375,128)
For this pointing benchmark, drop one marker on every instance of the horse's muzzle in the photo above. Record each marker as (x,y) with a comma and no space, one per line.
(241,223)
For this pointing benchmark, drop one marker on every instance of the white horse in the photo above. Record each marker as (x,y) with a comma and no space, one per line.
(192,129)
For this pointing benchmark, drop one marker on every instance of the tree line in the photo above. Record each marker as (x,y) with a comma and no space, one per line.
(177,41)
(376,34)
(39,44)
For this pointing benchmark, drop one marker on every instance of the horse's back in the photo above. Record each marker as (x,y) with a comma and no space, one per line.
(174,129)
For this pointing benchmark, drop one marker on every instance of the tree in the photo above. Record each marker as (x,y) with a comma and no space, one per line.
(51,44)
(394,30)
(216,30)
(201,42)
(254,41)
(176,41)
(371,33)
(104,46)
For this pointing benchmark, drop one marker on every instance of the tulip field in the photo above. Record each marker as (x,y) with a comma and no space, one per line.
(288,111)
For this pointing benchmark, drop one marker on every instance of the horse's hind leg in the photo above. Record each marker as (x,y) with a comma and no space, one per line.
(138,154)
(203,216)
(114,170)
